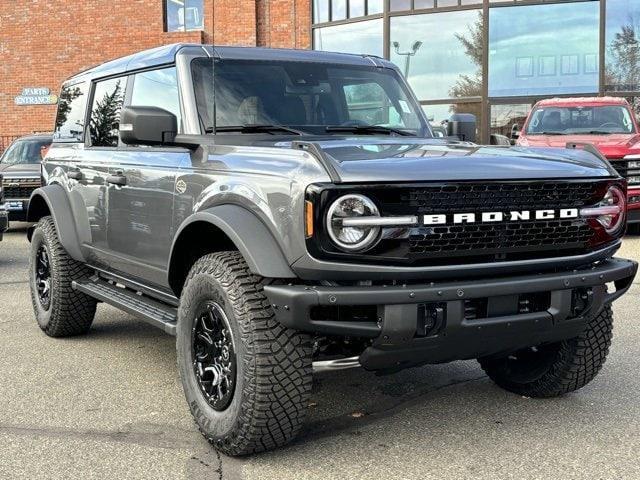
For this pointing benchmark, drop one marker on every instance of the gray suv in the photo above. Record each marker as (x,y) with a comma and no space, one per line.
(282,210)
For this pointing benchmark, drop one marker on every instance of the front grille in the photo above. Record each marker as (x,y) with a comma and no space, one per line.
(622,167)
(479,242)
(495,196)
(500,237)
(19,188)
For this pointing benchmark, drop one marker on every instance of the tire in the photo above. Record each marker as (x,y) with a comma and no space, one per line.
(271,377)
(67,312)
(555,369)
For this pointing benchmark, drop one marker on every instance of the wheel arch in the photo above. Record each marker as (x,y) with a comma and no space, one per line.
(52,200)
(233,228)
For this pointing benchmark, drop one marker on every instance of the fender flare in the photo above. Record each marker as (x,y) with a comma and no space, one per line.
(57,202)
(248,233)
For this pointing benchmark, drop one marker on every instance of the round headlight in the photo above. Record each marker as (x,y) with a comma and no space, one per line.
(616,202)
(352,238)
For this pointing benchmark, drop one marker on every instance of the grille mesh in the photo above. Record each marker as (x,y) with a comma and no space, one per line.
(19,187)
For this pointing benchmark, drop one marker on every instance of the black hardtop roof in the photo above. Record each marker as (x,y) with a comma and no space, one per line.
(166,55)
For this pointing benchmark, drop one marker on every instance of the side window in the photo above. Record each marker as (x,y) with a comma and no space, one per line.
(71,112)
(157,88)
(104,121)
(369,103)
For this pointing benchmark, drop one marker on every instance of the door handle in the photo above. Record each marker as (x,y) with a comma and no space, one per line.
(117,179)
(74,174)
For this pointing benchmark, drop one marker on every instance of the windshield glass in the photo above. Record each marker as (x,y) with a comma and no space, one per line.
(308,96)
(25,152)
(580,120)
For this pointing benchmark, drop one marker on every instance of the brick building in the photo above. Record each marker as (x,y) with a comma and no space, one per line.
(42,42)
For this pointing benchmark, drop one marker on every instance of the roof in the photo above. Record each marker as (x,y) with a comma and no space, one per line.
(36,136)
(582,101)
(166,54)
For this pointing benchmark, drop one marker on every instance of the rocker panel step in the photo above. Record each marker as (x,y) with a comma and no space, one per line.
(149,310)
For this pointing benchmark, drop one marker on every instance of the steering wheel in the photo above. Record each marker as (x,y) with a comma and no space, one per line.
(609,124)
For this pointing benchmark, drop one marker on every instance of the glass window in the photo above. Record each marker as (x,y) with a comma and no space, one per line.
(395,5)
(320,11)
(71,112)
(24,152)
(622,53)
(338,9)
(598,120)
(356,8)
(418,4)
(360,37)
(157,88)
(184,15)
(506,120)
(446,65)
(374,6)
(526,58)
(104,121)
(447,3)
(304,95)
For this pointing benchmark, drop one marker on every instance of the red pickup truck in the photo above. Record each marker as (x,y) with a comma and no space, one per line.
(606,122)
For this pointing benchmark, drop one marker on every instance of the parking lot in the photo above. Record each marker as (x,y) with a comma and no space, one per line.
(110,405)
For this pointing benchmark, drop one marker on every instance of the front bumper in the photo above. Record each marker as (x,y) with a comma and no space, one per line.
(16,208)
(396,332)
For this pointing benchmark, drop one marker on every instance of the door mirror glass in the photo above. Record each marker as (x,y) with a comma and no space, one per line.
(148,126)
(515,131)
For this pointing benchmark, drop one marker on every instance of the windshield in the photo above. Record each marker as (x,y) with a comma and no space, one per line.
(580,120)
(305,96)
(25,152)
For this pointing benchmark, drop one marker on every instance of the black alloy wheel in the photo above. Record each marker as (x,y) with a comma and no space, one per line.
(43,276)
(214,357)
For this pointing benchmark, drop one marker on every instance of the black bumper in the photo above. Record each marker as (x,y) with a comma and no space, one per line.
(633,216)
(4,222)
(396,332)
(20,214)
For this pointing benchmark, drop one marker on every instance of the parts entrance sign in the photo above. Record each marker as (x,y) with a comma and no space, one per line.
(36,96)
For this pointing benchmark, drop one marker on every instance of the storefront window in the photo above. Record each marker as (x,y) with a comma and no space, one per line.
(442,66)
(356,8)
(184,15)
(506,120)
(320,11)
(338,9)
(374,6)
(360,37)
(544,49)
(622,53)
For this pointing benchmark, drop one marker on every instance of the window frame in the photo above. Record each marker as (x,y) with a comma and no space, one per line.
(165,18)
(80,138)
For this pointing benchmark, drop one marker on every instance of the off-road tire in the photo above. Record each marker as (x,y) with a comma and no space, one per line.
(70,312)
(274,363)
(555,369)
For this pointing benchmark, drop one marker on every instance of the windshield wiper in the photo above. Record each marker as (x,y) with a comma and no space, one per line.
(258,128)
(368,129)
(598,132)
(551,133)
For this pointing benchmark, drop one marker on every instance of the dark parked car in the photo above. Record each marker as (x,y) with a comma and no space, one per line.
(20,167)
(263,220)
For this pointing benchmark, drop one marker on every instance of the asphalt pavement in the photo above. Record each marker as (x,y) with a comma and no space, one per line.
(110,405)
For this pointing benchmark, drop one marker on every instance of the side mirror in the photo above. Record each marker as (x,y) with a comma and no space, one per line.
(147,126)
(515,131)
(463,126)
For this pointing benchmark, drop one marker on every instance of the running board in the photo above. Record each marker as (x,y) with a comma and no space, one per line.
(152,311)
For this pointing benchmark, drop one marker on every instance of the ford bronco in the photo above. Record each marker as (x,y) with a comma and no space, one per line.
(280,210)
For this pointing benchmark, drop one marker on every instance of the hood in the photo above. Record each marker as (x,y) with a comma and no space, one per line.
(403,160)
(20,170)
(616,145)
